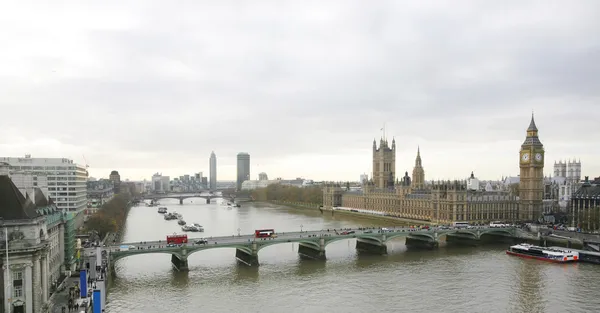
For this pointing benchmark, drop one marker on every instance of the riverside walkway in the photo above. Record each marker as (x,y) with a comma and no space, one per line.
(311,243)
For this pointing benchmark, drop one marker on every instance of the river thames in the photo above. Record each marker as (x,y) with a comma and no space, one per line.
(447,279)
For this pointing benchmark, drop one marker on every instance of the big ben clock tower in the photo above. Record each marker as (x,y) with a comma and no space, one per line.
(531,184)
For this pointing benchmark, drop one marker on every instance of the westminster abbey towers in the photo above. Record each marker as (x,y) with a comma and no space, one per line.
(531,182)
(384,166)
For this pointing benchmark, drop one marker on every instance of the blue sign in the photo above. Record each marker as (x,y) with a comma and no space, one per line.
(83,283)
(97,299)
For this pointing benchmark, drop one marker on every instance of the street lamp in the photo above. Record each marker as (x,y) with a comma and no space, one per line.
(239,229)
(301,227)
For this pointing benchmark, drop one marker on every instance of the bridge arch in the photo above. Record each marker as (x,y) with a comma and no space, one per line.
(422,234)
(162,198)
(465,233)
(268,243)
(246,249)
(115,256)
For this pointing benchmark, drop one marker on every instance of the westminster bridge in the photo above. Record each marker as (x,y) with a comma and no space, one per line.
(312,244)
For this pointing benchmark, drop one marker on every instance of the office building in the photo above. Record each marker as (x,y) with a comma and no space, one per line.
(66,181)
(243,169)
(115,178)
(213,171)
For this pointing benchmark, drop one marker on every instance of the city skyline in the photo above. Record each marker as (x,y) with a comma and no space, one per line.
(302,99)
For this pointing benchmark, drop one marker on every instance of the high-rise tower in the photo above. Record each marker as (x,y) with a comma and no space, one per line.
(384,163)
(243,169)
(418,174)
(213,171)
(531,184)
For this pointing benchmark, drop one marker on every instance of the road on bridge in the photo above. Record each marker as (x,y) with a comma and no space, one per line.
(235,239)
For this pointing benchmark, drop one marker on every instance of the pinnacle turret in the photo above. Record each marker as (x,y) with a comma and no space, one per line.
(532,126)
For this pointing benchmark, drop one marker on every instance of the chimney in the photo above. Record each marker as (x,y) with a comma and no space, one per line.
(4,169)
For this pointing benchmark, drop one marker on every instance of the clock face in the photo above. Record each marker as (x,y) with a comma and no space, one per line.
(525,157)
(538,157)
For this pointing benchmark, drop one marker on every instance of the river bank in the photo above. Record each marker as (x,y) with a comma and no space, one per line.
(314,207)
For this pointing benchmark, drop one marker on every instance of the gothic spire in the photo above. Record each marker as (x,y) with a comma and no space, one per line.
(532,126)
(418,159)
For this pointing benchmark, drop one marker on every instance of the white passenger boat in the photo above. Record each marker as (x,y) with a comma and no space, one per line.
(554,255)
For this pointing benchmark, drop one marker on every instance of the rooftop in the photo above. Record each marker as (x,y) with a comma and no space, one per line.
(587,190)
(13,205)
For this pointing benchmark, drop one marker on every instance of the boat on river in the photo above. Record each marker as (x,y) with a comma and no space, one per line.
(192,227)
(170,216)
(162,210)
(554,255)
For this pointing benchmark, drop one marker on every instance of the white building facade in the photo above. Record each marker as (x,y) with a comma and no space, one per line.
(66,181)
(160,183)
(34,227)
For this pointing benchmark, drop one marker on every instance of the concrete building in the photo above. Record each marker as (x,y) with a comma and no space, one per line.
(160,183)
(262,183)
(445,202)
(66,181)
(363,179)
(140,187)
(116,179)
(166,183)
(243,169)
(213,171)
(99,192)
(35,229)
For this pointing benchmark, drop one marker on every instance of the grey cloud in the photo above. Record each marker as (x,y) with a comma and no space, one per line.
(279,78)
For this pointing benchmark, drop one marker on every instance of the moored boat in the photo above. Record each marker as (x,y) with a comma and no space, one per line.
(554,255)
(198,227)
(162,210)
(181,222)
(170,216)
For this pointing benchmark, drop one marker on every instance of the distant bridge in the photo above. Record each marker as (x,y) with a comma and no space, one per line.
(182,196)
(311,243)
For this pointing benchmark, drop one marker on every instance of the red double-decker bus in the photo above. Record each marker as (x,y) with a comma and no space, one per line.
(177,239)
(264,233)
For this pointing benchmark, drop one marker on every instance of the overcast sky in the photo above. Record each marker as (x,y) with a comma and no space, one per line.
(303,86)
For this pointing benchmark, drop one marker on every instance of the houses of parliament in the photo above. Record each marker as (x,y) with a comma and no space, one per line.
(444,202)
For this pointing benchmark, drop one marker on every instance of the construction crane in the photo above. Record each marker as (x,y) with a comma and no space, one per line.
(86,166)
(86,162)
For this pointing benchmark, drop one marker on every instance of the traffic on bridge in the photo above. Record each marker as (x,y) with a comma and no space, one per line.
(283,236)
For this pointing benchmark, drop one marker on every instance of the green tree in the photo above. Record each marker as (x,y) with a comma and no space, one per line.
(111,216)
(277,192)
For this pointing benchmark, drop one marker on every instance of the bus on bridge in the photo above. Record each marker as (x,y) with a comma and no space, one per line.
(177,239)
(265,233)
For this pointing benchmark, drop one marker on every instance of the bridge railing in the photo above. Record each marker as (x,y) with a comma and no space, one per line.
(331,231)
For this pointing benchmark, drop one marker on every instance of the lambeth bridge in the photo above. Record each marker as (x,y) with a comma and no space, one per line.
(312,244)
(182,196)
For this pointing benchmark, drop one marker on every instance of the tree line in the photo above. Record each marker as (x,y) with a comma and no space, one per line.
(287,193)
(111,216)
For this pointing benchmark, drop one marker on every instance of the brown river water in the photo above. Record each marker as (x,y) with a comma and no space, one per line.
(447,279)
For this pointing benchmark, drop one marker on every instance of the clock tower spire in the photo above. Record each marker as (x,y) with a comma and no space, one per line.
(531,183)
